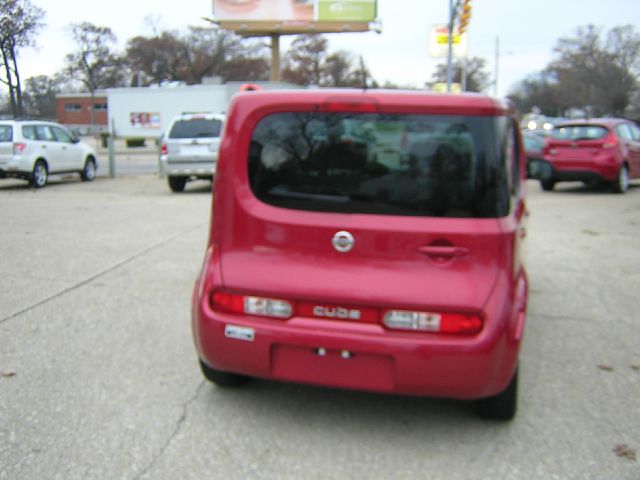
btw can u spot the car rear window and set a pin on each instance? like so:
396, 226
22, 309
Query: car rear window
579, 132
6, 133
418, 165
196, 128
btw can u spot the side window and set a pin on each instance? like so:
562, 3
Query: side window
43, 132
61, 135
624, 131
635, 132
6, 133
29, 131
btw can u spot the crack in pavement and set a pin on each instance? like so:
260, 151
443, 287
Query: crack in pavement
176, 431
90, 279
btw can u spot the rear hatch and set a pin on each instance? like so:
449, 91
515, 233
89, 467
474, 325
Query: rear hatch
6, 144
578, 146
401, 212
194, 139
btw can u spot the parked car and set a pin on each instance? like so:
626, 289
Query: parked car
189, 149
33, 149
533, 149
327, 267
595, 150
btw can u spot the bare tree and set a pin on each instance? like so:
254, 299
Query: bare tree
590, 71
303, 63
94, 64
40, 96
198, 53
308, 62
593, 75
477, 78
20, 21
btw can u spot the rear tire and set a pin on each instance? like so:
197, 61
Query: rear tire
621, 183
40, 174
176, 184
88, 173
547, 185
502, 406
222, 379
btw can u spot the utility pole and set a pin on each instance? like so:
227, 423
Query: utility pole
497, 68
450, 47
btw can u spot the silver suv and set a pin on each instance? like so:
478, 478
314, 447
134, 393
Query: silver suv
34, 149
189, 149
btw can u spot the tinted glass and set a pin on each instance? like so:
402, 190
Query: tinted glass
196, 128
6, 133
417, 165
579, 132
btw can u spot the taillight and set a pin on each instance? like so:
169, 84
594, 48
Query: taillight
417, 321
19, 147
455, 323
163, 149
265, 307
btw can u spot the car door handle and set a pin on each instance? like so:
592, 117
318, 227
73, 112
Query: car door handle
444, 251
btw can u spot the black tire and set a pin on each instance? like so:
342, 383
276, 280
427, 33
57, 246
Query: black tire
39, 175
621, 183
547, 185
502, 406
88, 173
176, 184
222, 379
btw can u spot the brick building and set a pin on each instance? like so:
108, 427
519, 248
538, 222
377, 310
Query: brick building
74, 111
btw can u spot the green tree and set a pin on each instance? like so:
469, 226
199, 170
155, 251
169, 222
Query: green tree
20, 21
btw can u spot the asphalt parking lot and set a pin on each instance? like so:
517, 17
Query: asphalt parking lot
99, 377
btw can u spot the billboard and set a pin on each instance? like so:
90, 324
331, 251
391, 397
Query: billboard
293, 16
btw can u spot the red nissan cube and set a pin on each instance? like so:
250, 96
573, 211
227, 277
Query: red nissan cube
367, 240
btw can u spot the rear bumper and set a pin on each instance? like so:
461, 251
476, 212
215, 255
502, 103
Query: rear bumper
188, 168
368, 357
543, 169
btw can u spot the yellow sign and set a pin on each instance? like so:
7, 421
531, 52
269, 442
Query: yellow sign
439, 42
441, 87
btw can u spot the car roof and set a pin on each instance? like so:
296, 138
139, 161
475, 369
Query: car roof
31, 121
399, 101
194, 115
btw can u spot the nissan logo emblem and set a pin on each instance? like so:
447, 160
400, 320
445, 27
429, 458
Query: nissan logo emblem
343, 241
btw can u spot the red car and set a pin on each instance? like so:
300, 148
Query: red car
596, 150
386, 260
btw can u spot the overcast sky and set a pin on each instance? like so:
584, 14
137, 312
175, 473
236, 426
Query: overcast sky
528, 31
